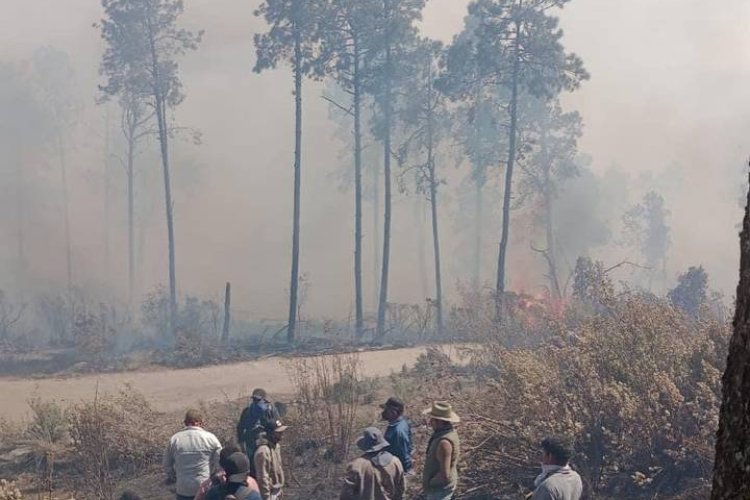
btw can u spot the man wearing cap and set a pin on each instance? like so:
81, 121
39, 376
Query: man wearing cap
398, 432
377, 474
220, 478
192, 455
249, 424
268, 469
440, 476
557, 480
237, 467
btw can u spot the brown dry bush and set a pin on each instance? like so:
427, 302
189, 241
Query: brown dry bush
113, 437
328, 393
637, 385
9, 491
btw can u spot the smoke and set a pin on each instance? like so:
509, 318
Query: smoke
665, 103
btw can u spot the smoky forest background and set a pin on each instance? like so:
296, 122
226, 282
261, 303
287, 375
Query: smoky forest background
552, 187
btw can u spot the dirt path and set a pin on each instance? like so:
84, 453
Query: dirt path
170, 390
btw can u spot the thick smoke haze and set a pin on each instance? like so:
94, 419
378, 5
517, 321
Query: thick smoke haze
665, 109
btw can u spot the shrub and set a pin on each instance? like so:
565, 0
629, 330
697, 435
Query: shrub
329, 390
113, 437
638, 386
49, 423
9, 491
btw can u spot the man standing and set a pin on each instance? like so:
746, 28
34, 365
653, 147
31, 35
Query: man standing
268, 469
191, 456
440, 477
398, 432
557, 480
249, 425
238, 484
219, 479
377, 474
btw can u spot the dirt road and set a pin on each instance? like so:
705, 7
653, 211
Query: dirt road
171, 390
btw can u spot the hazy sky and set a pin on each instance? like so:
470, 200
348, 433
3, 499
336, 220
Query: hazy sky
666, 102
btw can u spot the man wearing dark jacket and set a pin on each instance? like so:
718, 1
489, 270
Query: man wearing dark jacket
249, 425
398, 432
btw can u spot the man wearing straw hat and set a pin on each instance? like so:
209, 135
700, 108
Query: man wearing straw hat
440, 476
376, 475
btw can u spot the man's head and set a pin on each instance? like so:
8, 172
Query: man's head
259, 394
393, 409
274, 430
226, 452
194, 418
441, 415
556, 450
372, 441
237, 467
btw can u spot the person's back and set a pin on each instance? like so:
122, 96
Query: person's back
370, 479
191, 456
563, 484
232, 491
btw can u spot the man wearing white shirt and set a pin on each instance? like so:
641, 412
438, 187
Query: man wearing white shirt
192, 455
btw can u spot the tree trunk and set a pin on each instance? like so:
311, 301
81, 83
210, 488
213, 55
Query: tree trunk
107, 196
376, 233
359, 309
227, 313
131, 219
732, 463
66, 211
507, 195
435, 236
163, 141
478, 202
388, 112
433, 205
294, 284
161, 118
418, 213
550, 252
20, 219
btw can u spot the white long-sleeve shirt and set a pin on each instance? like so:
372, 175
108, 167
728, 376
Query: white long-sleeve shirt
192, 455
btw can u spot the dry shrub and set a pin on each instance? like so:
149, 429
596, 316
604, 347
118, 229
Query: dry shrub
113, 437
9, 491
328, 392
638, 386
49, 424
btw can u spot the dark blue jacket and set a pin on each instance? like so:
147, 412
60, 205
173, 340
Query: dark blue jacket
250, 421
398, 435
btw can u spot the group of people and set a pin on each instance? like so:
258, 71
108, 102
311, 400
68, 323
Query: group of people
201, 469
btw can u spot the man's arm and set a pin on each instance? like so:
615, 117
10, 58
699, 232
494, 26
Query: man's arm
444, 452
404, 447
350, 489
241, 427
214, 463
262, 459
168, 462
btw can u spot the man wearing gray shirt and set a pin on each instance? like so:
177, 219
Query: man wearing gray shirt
557, 480
191, 457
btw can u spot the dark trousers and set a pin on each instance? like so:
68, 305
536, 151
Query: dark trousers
182, 497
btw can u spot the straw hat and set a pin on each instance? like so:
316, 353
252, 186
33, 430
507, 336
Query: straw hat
442, 410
